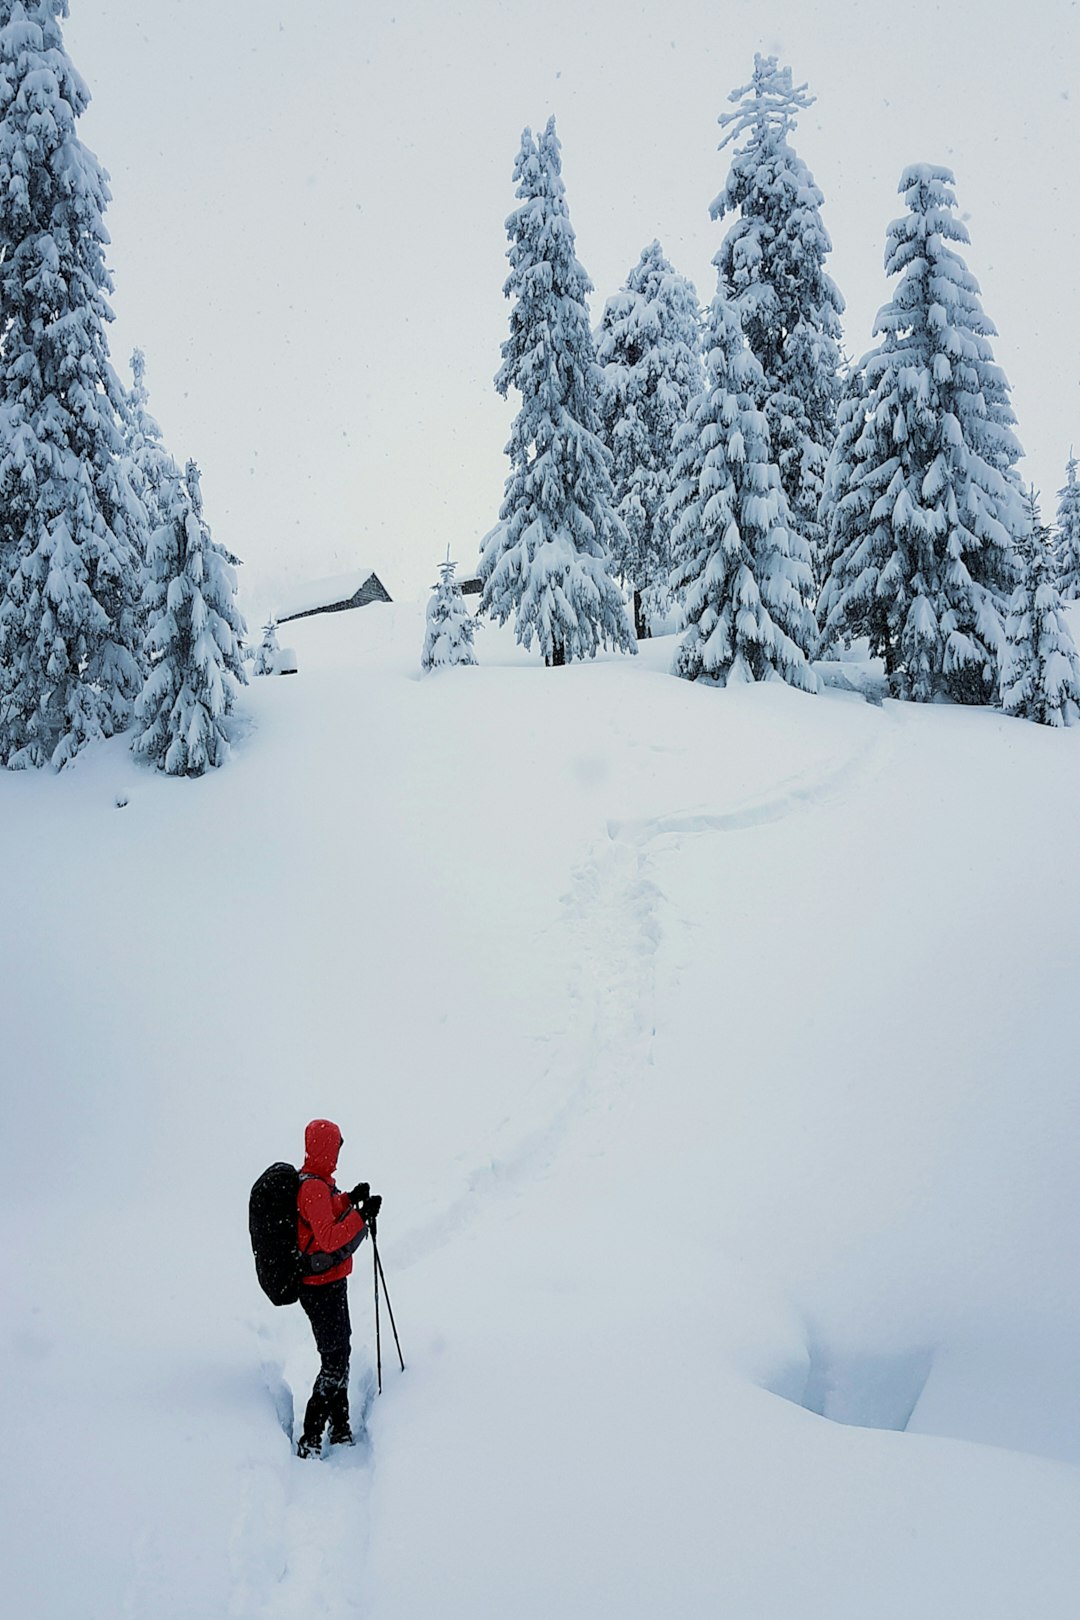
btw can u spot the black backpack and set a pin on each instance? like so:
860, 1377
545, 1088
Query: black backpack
279, 1264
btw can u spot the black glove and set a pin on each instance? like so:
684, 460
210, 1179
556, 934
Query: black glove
359, 1195
371, 1208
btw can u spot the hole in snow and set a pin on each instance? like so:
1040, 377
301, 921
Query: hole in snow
872, 1389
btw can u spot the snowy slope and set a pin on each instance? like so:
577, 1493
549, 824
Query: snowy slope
714, 1053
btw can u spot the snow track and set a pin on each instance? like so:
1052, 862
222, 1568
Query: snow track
607, 935
811, 789
298, 1541
612, 912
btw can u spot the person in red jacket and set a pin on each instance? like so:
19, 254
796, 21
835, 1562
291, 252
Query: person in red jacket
328, 1220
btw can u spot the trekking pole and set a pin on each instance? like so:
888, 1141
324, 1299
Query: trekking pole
375, 1267
386, 1296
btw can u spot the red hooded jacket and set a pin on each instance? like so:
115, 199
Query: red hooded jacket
326, 1219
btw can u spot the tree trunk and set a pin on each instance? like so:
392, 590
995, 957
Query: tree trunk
557, 657
641, 624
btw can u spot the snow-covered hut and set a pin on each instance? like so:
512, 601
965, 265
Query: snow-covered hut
352, 590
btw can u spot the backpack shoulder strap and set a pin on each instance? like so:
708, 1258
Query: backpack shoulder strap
305, 1175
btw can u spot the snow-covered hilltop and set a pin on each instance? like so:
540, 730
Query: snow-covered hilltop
725, 470
714, 1053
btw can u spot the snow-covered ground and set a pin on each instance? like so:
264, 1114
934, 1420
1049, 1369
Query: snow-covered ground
715, 1054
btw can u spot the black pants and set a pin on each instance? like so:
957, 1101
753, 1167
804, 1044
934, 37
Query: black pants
326, 1306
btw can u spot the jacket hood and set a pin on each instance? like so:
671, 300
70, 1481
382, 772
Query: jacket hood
322, 1144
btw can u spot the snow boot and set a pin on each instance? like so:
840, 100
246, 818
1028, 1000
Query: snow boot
340, 1430
315, 1418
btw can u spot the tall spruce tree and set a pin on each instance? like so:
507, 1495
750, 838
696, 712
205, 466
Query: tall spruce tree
1067, 547
152, 470
1040, 672
926, 509
649, 345
835, 518
772, 266
742, 566
70, 523
193, 641
548, 560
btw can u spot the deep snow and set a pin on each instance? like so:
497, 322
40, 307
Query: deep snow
714, 1053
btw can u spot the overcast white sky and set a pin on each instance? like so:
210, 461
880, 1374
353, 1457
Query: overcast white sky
309, 206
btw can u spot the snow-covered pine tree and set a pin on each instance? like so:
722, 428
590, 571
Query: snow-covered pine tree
449, 637
1040, 672
153, 472
265, 660
834, 517
927, 510
193, 641
1067, 547
649, 345
70, 633
743, 567
548, 561
772, 265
